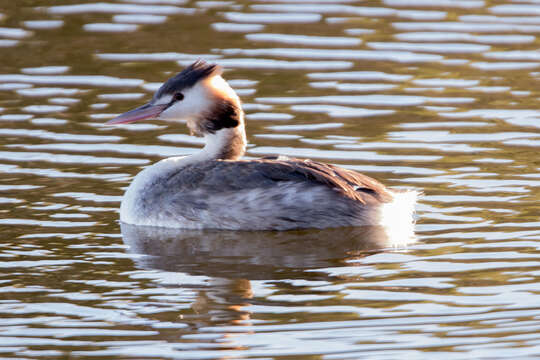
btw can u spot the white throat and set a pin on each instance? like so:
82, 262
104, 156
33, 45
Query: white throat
227, 144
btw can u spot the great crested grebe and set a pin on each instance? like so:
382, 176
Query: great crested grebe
213, 189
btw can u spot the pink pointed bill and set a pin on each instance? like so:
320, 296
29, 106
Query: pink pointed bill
147, 111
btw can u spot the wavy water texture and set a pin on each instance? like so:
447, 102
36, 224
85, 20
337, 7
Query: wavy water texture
437, 96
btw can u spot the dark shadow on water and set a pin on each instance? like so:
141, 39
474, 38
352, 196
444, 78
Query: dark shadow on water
253, 254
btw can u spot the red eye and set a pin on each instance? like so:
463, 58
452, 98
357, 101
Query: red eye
178, 97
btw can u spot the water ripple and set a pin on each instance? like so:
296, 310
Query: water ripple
433, 95
115, 8
342, 54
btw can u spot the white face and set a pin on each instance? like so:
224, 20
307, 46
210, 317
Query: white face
195, 103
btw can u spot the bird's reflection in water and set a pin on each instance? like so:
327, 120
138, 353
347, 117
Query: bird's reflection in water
232, 258
252, 254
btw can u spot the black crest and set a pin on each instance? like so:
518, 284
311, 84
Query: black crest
187, 78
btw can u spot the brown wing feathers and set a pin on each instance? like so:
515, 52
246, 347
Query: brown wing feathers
216, 176
350, 183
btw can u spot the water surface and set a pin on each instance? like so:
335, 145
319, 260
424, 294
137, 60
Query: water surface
438, 95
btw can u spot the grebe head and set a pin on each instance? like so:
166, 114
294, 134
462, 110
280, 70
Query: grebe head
197, 95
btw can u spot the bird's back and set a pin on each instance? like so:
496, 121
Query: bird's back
266, 194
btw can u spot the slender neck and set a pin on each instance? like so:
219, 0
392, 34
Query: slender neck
224, 144
223, 130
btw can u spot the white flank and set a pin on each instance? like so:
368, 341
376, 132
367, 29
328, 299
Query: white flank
397, 217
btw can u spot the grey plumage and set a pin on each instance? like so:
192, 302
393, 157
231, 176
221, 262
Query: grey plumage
263, 194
